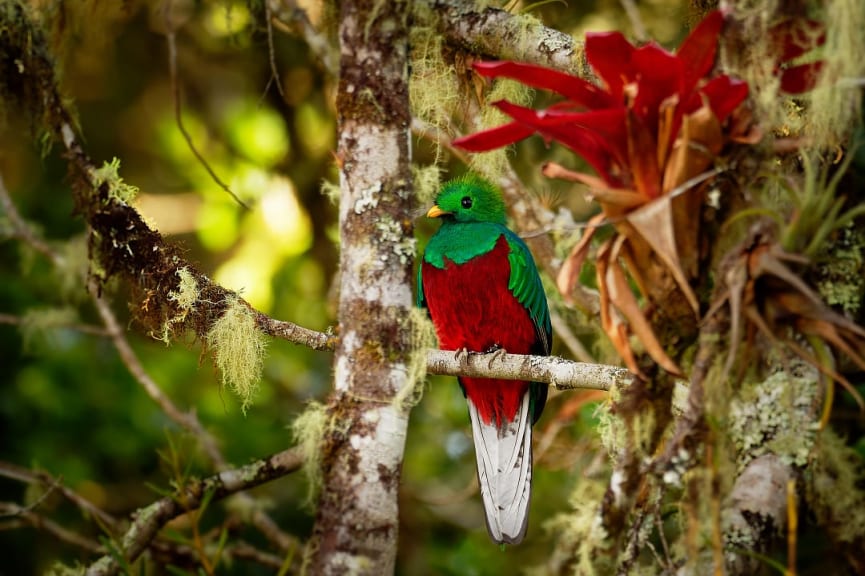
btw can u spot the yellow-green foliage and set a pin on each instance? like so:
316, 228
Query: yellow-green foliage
836, 101
423, 338
238, 349
427, 181
308, 430
109, 175
835, 488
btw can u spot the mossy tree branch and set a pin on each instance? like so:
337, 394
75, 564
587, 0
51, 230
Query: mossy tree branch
150, 520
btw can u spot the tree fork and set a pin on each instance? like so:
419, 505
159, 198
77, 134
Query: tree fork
357, 520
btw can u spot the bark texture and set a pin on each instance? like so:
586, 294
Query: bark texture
357, 521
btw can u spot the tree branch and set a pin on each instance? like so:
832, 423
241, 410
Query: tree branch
560, 373
499, 34
150, 520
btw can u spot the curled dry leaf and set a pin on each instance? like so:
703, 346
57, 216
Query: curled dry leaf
767, 295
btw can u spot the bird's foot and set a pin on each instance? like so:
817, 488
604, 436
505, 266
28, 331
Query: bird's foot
496, 352
461, 355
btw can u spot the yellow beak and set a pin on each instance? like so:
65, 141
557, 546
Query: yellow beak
435, 212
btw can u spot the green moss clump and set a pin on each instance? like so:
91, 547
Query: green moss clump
835, 489
308, 430
238, 348
836, 100
580, 534
423, 338
185, 298
427, 181
109, 175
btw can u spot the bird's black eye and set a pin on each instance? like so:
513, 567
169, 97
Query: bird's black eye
466, 202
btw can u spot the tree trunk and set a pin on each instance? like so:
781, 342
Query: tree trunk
357, 521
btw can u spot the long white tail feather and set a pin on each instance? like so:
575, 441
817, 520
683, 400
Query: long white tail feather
504, 458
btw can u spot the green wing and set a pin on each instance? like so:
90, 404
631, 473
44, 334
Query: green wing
420, 300
525, 284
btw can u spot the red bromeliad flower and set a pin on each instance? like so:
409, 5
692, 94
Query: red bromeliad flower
655, 122
651, 130
626, 128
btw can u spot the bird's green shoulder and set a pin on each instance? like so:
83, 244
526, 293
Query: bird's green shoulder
460, 242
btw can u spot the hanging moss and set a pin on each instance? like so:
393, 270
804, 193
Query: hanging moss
238, 349
835, 494
836, 100
427, 181
422, 339
308, 430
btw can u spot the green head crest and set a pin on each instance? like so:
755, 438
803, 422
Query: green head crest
469, 198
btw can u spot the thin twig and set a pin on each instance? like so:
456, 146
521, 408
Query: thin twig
637, 25
20, 474
566, 335
24, 231
170, 36
287, 13
271, 53
185, 419
77, 326
151, 519
24, 516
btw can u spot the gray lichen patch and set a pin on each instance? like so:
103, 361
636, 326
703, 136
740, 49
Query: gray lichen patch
391, 232
775, 416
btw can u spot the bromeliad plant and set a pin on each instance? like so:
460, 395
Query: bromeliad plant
651, 131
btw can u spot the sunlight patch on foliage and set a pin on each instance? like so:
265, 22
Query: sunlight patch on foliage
227, 18
279, 229
317, 128
258, 132
238, 349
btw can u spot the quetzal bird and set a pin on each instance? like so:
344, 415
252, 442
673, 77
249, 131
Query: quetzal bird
481, 286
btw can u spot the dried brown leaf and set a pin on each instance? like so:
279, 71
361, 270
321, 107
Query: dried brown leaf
610, 321
654, 222
623, 299
569, 275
